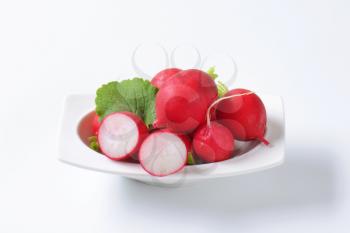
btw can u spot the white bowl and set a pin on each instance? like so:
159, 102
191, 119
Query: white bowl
252, 156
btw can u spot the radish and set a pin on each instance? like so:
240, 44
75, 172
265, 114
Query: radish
163, 76
179, 108
199, 81
121, 134
163, 153
95, 124
213, 142
182, 102
244, 114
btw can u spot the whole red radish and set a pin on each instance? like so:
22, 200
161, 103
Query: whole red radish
244, 114
120, 135
180, 108
213, 142
163, 76
95, 124
199, 81
163, 153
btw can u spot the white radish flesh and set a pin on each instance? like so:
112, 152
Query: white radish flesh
163, 153
121, 134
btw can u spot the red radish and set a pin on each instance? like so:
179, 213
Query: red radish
163, 76
121, 134
179, 108
185, 139
244, 114
163, 153
181, 103
199, 81
95, 124
213, 142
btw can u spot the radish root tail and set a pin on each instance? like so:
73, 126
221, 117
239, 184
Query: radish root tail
263, 140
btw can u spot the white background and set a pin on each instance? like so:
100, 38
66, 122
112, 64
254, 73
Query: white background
297, 49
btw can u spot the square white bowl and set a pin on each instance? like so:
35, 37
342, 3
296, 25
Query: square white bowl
73, 150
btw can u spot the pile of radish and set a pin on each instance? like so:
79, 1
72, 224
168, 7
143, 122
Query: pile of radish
190, 119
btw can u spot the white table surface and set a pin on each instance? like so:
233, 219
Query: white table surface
297, 49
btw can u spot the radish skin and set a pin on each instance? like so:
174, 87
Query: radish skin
121, 135
95, 124
199, 81
179, 108
244, 114
182, 102
163, 76
213, 143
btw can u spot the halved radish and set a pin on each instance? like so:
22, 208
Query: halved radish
163, 153
121, 134
184, 137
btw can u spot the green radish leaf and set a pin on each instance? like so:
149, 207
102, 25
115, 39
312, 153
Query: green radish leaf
222, 88
212, 73
190, 159
133, 95
93, 143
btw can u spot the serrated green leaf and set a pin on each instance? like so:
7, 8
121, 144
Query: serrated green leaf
133, 95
